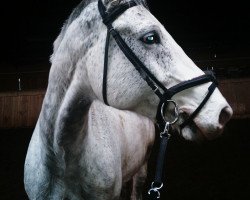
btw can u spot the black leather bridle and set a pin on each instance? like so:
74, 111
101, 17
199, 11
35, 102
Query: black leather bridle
158, 88
163, 93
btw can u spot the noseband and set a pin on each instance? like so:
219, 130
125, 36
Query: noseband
163, 93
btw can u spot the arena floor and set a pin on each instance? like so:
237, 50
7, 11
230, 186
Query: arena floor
217, 170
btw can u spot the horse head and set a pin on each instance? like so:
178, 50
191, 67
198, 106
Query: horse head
162, 56
80, 49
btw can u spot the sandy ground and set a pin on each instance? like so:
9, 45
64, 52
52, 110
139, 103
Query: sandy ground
217, 170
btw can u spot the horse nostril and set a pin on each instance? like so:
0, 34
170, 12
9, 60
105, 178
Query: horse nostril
225, 115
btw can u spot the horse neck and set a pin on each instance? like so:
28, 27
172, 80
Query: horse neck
64, 116
69, 93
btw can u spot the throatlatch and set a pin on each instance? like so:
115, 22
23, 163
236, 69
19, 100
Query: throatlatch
165, 94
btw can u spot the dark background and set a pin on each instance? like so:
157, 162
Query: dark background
213, 33
202, 28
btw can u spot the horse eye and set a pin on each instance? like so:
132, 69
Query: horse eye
151, 38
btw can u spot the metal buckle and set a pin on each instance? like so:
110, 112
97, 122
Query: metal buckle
156, 88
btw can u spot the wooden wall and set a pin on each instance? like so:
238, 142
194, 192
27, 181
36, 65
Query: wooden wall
21, 109
237, 93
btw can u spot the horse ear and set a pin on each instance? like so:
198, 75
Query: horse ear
111, 3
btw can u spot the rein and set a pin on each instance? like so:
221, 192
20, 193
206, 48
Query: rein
163, 93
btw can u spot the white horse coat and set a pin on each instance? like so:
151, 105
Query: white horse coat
112, 147
83, 149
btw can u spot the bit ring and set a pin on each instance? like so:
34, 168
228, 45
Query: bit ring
176, 111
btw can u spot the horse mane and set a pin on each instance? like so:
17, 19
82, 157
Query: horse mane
76, 13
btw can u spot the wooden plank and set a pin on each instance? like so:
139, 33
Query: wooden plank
7, 112
20, 109
1, 109
237, 93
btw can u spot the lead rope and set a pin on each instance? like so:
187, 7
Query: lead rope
157, 184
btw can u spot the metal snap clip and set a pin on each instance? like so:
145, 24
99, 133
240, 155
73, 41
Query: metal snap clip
155, 190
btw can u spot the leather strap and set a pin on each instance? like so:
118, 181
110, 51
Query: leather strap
105, 69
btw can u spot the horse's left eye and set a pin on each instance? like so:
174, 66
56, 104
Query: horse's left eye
151, 38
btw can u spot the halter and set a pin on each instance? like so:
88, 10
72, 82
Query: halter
163, 93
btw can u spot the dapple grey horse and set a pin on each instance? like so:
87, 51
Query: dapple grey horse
84, 149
